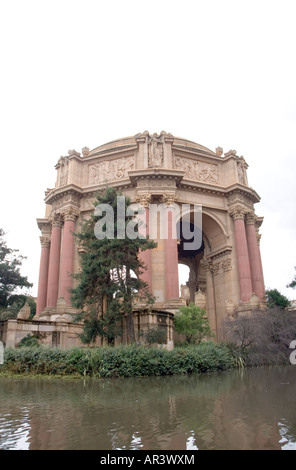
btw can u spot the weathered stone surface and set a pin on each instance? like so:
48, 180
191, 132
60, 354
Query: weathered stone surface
226, 276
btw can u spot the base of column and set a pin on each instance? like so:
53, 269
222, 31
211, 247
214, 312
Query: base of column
62, 312
248, 308
173, 305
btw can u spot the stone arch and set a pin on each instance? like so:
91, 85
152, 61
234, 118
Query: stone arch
206, 275
214, 230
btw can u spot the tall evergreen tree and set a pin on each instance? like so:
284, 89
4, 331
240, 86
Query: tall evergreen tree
10, 276
110, 276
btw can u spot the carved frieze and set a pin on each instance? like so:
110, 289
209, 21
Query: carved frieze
110, 170
198, 171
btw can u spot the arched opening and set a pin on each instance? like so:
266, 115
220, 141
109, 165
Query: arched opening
183, 271
190, 252
209, 238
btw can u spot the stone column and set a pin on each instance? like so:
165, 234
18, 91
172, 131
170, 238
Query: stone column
145, 256
261, 267
242, 253
228, 286
255, 258
67, 255
54, 262
43, 275
210, 295
171, 250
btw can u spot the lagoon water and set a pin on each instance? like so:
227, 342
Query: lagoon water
242, 409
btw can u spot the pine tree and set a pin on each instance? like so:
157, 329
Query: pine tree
110, 276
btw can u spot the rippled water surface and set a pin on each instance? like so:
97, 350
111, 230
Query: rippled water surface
249, 409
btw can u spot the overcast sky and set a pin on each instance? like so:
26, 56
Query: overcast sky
82, 73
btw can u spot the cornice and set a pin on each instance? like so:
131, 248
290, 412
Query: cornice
214, 189
226, 251
56, 193
245, 190
44, 224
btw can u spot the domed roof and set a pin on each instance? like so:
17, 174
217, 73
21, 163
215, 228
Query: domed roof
189, 144
131, 141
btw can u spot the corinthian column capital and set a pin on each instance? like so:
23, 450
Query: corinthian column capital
144, 199
44, 241
207, 265
56, 219
170, 198
250, 218
70, 213
238, 211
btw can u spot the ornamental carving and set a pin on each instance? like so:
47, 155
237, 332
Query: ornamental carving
155, 151
45, 241
207, 265
55, 219
169, 198
154, 147
216, 268
70, 213
63, 168
144, 199
156, 183
226, 264
110, 170
250, 218
199, 171
64, 200
241, 172
238, 211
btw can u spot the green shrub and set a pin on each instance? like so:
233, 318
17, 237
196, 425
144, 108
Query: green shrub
120, 361
29, 341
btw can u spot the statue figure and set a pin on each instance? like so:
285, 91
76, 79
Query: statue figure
155, 151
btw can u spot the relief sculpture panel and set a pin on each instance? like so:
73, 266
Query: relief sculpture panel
198, 171
110, 170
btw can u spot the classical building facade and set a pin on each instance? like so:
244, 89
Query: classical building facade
226, 275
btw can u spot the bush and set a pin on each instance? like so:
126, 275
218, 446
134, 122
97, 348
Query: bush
192, 322
262, 339
120, 361
29, 341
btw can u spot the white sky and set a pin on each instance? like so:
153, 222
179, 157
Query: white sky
82, 73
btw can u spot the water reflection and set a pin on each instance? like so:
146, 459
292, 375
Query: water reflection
250, 409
